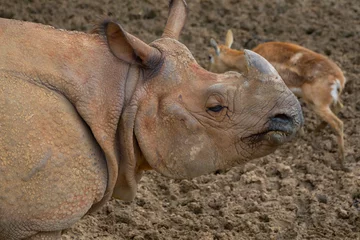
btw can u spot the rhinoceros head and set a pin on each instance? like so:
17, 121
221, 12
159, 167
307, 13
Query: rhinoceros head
184, 121
191, 122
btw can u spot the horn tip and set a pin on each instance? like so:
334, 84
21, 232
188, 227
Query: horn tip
260, 63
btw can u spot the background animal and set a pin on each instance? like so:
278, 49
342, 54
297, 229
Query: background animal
292, 193
313, 77
83, 115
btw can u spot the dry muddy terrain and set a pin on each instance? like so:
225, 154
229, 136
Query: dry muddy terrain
294, 193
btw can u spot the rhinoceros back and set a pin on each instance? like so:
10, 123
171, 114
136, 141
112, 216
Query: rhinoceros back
51, 168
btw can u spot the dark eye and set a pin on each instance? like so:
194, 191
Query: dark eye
209, 57
217, 108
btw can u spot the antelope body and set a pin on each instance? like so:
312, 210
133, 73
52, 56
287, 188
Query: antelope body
309, 75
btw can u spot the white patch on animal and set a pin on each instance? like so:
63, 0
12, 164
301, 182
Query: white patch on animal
296, 91
294, 59
335, 89
195, 150
246, 84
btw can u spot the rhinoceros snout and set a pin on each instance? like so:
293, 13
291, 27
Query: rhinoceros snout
284, 122
284, 126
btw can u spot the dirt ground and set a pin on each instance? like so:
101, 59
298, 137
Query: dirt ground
293, 193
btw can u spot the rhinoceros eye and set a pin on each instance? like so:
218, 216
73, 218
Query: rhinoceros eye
216, 108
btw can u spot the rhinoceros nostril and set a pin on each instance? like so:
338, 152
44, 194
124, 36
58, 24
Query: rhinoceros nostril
282, 119
282, 123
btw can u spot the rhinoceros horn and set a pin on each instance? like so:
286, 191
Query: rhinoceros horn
255, 62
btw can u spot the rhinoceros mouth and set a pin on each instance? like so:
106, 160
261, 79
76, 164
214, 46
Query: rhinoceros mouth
274, 136
280, 129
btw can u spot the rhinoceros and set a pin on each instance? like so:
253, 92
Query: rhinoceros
83, 115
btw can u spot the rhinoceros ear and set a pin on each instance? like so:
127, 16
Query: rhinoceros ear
129, 48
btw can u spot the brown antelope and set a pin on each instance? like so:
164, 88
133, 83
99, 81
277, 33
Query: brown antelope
309, 75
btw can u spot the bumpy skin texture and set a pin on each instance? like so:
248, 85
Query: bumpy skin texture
60, 150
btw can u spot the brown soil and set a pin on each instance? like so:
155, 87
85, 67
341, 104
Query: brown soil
291, 194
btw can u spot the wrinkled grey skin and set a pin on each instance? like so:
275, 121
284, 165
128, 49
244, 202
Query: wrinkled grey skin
83, 115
